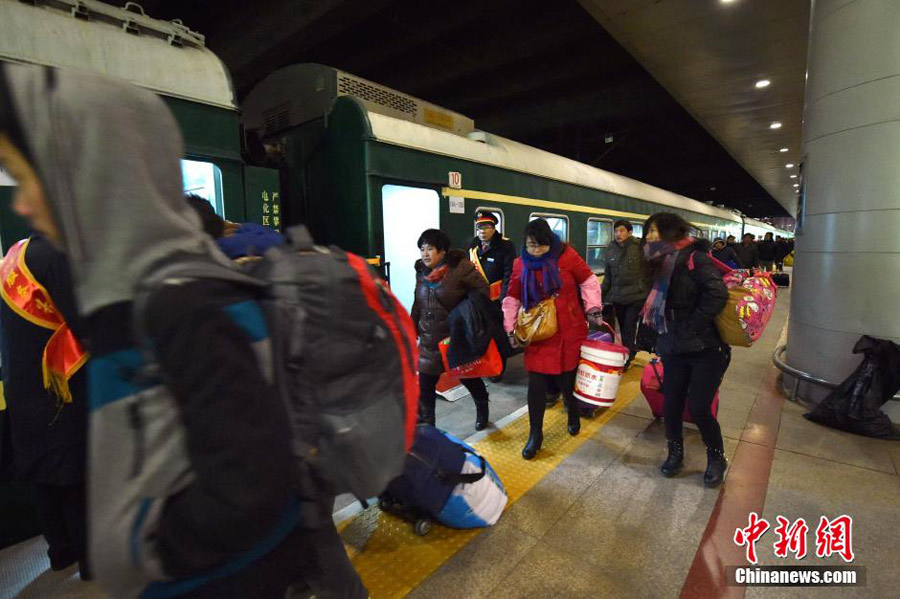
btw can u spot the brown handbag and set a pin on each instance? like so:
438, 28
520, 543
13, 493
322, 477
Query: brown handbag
536, 324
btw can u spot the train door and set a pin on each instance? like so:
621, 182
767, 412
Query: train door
406, 212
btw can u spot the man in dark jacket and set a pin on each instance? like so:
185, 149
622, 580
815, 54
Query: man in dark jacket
781, 252
725, 253
747, 252
768, 253
48, 429
493, 256
626, 283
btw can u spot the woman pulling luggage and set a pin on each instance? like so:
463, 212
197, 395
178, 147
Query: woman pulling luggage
682, 307
550, 276
444, 278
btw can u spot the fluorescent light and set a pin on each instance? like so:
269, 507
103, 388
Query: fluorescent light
763, 83
783, 150
775, 125
789, 165
793, 176
796, 185
727, 1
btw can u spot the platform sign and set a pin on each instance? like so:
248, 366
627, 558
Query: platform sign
263, 196
454, 180
457, 205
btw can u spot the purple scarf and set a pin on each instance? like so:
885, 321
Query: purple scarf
654, 311
532, 291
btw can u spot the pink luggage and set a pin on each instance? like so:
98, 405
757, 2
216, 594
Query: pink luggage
651, 387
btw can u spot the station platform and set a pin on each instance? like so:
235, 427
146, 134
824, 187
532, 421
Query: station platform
592, 517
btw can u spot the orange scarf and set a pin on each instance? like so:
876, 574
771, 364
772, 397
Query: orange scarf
63, 354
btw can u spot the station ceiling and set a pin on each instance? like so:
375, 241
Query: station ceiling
542, 73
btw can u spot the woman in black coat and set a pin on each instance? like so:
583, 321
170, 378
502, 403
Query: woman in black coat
688, 293
444, 278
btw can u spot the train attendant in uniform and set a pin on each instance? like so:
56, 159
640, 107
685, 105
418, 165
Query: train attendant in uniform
493, 256
682, 307
444, 278
549, 269
46, 392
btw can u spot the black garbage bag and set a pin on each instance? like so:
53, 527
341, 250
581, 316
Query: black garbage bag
855, 406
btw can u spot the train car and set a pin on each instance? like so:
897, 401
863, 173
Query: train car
165, 57
369, 168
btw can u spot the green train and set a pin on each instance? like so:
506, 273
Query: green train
165, 57
369, 168
366, 167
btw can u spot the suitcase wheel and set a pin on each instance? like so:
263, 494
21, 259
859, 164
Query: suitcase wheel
422, 527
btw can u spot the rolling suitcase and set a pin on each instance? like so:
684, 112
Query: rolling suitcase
782, 279
444, 480
652, 388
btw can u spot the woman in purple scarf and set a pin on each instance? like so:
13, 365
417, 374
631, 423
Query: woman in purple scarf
682, 307
549, 268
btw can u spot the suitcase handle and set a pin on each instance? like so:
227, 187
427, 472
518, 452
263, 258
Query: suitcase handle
656, 374
457, 478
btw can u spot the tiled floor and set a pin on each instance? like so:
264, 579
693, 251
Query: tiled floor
604, 523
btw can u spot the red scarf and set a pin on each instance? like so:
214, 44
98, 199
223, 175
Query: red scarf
438, 273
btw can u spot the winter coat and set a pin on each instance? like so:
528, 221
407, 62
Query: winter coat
695, 298
474, 323
727, 256
748, 254
782, 249
768, 251
48, 441
626, 278
434, 301
561, 352
497, 261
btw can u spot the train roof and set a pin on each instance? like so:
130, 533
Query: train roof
505, 153
163, 56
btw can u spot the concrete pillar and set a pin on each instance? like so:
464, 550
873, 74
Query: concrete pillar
847, 262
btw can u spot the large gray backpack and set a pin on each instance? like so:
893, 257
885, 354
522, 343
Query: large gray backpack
344, 359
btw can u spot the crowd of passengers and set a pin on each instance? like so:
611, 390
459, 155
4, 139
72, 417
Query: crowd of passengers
97, 167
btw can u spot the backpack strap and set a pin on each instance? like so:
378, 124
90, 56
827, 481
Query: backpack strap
720, 266
466, 479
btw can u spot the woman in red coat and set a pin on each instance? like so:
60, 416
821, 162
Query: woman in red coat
549, 268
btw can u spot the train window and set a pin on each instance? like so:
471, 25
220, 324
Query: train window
559, 223
599, 237
496, 212
637, 230
205, 180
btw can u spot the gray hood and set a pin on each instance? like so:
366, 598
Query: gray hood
108, 154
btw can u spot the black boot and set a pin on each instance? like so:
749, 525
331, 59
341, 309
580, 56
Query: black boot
673, 463
481, 415
535, 439
574, 413
715, 467
426, 416
552, 398
574, 426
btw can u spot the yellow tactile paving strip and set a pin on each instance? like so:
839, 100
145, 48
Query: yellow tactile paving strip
392, 560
